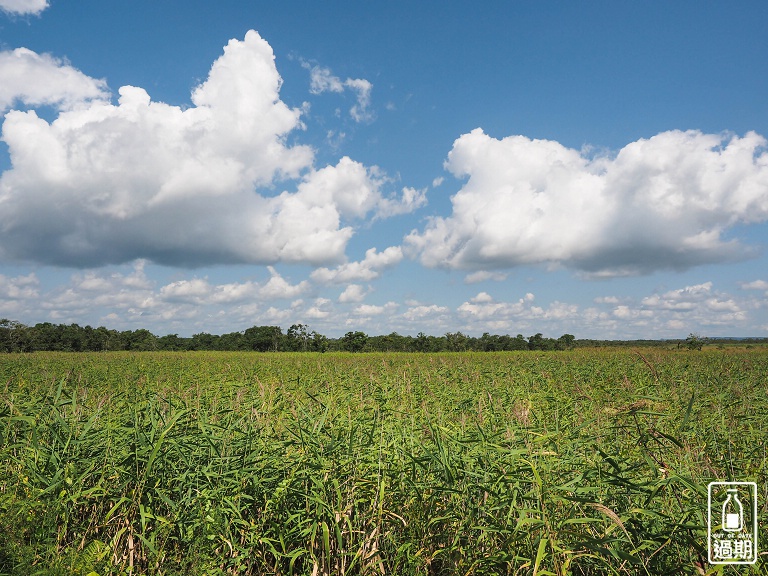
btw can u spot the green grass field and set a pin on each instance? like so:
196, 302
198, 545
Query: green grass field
584, 462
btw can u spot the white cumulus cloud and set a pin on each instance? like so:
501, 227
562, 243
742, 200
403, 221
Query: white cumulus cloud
40, 79
701, 302
360, 112
483, 275
661, 203
320, 309
23, 6
755, 285
353, 293
369, 310
321, 79
366, 269
278, 287
425, 312
200, 291
606, 300
681, 299
18, 288
106, 183
410, 200
196, 290
484, 307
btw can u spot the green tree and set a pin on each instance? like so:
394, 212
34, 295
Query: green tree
392, 342
421, 343
354, 341
489, 342
538, 342
263, 338
519, 343
14, 336
172, 342
141, 340
319, 342
233, 341
694, 342
44, 336
565, 342
456, 342
204, 341
298, 338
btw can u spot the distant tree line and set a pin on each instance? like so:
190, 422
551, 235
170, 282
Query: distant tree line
17, 337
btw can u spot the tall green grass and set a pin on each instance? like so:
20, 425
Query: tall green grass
582, 462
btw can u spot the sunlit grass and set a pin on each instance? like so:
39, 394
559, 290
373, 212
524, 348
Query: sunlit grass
580, 462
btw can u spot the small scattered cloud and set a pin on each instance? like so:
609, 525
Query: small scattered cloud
483, 275
606, 300
682, 299
321, 79
699, 303
200, 291
129, 299
33, 7
19, 287
369, 268
277, 287
423, 312
483, 308
361, 112
371, 310
353, 293
320, 309
665, 315
481, 298
698, 307
194, 291
335, 139
755, 285
409, 200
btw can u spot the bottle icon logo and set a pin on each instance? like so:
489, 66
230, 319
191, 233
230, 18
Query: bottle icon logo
732, 522
733, 512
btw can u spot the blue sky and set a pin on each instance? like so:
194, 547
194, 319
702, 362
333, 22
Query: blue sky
598, 168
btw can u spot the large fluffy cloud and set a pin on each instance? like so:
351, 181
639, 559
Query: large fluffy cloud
661, 203
23, 6
106, 183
